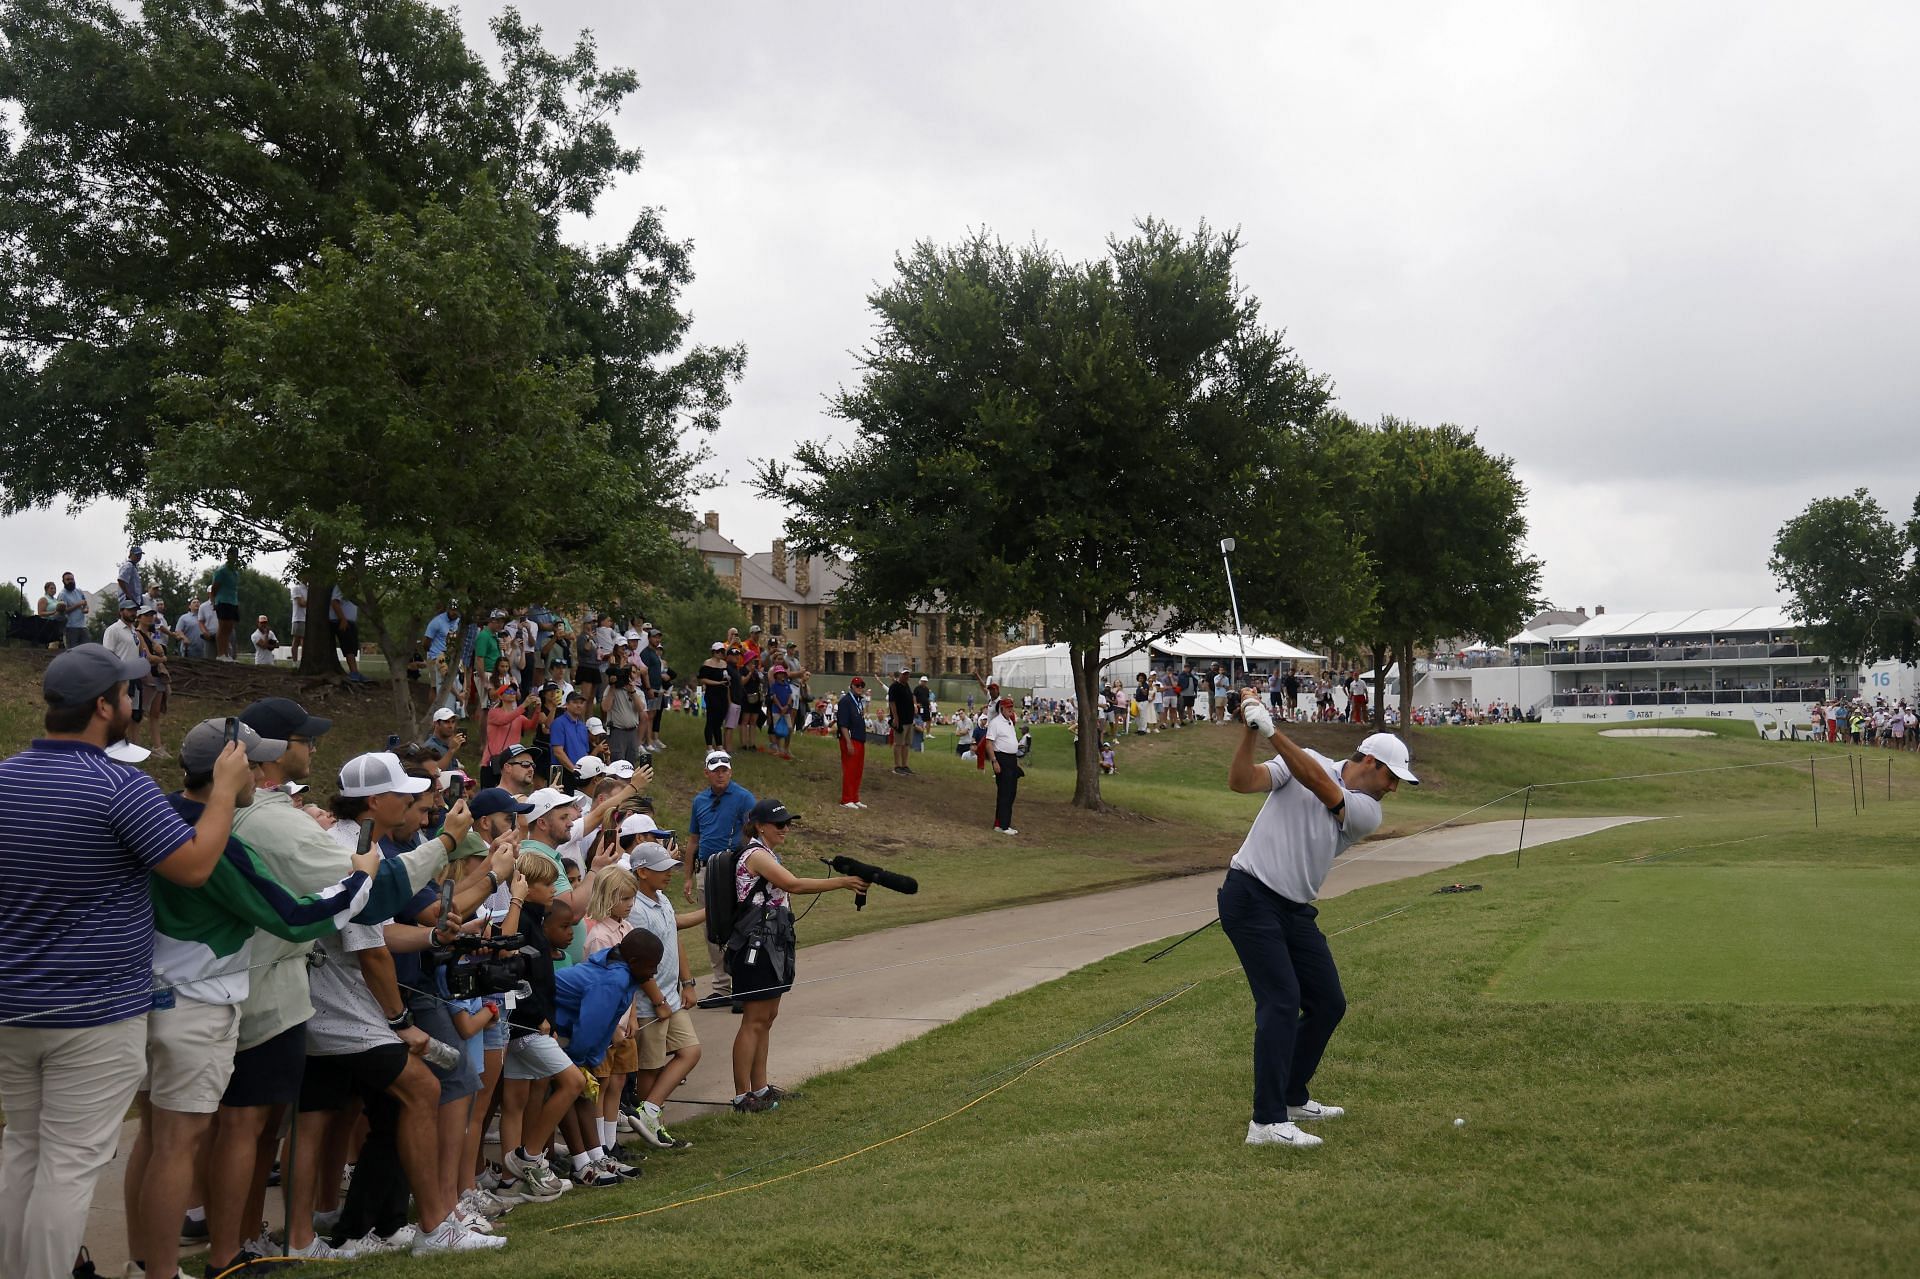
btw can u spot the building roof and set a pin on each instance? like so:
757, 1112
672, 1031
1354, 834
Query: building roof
757, 580
1709, 621
709, 540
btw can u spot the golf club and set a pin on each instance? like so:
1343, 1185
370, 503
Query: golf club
1226, 549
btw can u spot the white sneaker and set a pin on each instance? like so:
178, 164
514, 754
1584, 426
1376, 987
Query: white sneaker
853, 805
451, 1236
401, 1238
262, 1244
487, 1205
1008, 830
859, 805
1279, 1135
1314, 1110
318, 1250
367, 1245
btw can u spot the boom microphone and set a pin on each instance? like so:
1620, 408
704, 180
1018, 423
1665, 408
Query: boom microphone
873, 875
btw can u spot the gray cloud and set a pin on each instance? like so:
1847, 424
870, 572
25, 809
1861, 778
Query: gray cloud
1660, 255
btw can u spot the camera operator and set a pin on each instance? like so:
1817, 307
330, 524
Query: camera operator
362, 1042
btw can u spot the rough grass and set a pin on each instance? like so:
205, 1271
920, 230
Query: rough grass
1602, 1137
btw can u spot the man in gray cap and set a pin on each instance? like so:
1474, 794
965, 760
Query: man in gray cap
76, 945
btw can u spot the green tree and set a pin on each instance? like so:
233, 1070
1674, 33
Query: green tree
1852, 578
1036, 437
163, 177
428, 362
1445, 540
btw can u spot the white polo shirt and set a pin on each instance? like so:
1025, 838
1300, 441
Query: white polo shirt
1294, 839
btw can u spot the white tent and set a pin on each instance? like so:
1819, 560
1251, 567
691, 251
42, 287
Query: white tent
1215, 646
1047, 669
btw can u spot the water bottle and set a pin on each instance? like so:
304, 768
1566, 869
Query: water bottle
441, 1056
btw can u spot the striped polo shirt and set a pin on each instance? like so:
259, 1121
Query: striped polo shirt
80, 833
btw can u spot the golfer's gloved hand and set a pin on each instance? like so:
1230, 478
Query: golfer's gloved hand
1258, 718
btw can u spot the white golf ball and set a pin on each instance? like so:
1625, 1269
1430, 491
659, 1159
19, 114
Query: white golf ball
1459, 1123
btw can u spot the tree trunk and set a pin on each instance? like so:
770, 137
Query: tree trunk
397, 652
1086, 755
317, 654
1406, 684
1378, 711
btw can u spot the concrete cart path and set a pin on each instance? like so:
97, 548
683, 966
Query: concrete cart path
864, 995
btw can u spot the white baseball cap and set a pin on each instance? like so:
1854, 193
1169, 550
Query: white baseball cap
545, 800
719, 759
1392, 752
596, 726
621, 768
127, 753
378, 773
445, 712
589, 768
638, 824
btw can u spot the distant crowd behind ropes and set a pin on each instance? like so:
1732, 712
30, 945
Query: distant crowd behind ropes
1864, 721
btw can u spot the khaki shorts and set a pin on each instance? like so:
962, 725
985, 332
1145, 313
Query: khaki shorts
621, 1059
659, 1039
190, 1049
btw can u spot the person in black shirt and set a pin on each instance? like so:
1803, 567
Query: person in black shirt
900, 720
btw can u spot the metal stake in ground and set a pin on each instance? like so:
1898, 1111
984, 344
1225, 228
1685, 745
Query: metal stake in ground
1525, 806
1814, 781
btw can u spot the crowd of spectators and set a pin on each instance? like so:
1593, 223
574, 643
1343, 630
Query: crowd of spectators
1863, 721
260, 969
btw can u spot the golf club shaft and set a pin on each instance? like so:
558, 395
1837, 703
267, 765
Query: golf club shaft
1234, 600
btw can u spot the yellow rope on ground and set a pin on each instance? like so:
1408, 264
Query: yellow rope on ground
887, 1141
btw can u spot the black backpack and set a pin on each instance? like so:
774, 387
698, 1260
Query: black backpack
724, 908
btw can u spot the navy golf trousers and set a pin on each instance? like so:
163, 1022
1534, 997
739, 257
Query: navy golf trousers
1297, 1000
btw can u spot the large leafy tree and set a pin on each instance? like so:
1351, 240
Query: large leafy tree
1445, 534
427, 369
1038, 437
1852, 577
166, 174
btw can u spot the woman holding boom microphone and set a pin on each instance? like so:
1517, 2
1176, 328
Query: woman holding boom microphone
760, 955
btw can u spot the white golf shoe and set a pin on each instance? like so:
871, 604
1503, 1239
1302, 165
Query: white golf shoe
1314, 1110
1279, 1135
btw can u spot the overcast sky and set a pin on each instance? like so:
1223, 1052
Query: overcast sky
1662, 255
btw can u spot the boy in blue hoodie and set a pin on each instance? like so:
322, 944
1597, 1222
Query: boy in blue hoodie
590, 1006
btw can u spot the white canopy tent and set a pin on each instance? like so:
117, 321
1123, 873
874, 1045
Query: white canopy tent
1048, 670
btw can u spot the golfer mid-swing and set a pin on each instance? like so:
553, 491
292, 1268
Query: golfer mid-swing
1316, 809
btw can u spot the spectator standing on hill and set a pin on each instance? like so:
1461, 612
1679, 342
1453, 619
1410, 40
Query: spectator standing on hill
299, 626
128, 576
443, 626
900, 720
716, 826
1315, 809
209, 622
850, 726
187, 627
82, 833
226, 606
72, 606
265, 642
1003, 745
346, 632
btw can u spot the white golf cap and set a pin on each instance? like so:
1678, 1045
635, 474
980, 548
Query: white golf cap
378, 773
621, 768
631, 634
648, 855
1392, 752
719, 759
589, 768
127, 753
596, 726
545, 800
445, 712
638, 824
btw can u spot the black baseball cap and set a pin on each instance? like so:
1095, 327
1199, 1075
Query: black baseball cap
771, 811
86, 672
281, 718
514, 751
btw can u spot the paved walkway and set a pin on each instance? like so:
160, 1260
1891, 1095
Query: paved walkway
864, 995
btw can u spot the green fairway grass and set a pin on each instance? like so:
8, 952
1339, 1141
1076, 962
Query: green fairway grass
1766, 934
1694, 1137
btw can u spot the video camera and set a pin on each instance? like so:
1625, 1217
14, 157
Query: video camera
477, 966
